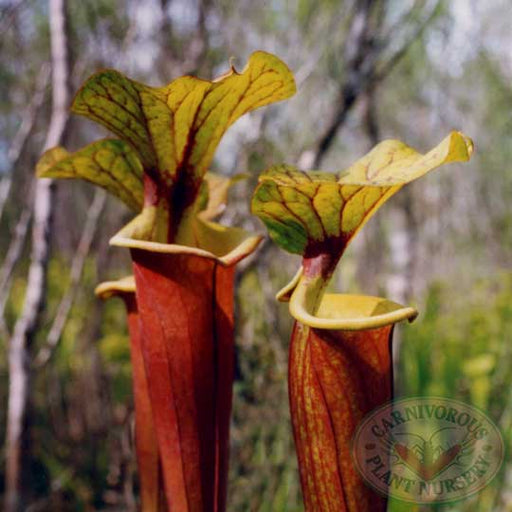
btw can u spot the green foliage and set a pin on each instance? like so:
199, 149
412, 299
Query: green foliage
82, 400
461, 347
263, 468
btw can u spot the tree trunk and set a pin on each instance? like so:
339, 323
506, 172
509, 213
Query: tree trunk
19, 349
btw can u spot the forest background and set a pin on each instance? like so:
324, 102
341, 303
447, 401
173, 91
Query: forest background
366, 70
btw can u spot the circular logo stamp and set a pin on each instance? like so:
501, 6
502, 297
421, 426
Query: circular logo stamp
427, 450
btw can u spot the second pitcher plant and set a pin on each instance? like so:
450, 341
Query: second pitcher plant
340, 361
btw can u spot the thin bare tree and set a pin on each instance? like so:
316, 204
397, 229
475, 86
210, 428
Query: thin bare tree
19, 141
26, 325
12, 256
370, 53
177, 60
75, 274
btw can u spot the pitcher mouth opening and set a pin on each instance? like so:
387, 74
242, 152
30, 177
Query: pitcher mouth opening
341, 311
226, 245
107, 289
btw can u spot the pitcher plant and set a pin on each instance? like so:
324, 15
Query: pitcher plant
180, 302
340, 365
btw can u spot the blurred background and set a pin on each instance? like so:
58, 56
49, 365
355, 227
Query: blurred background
366, 70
